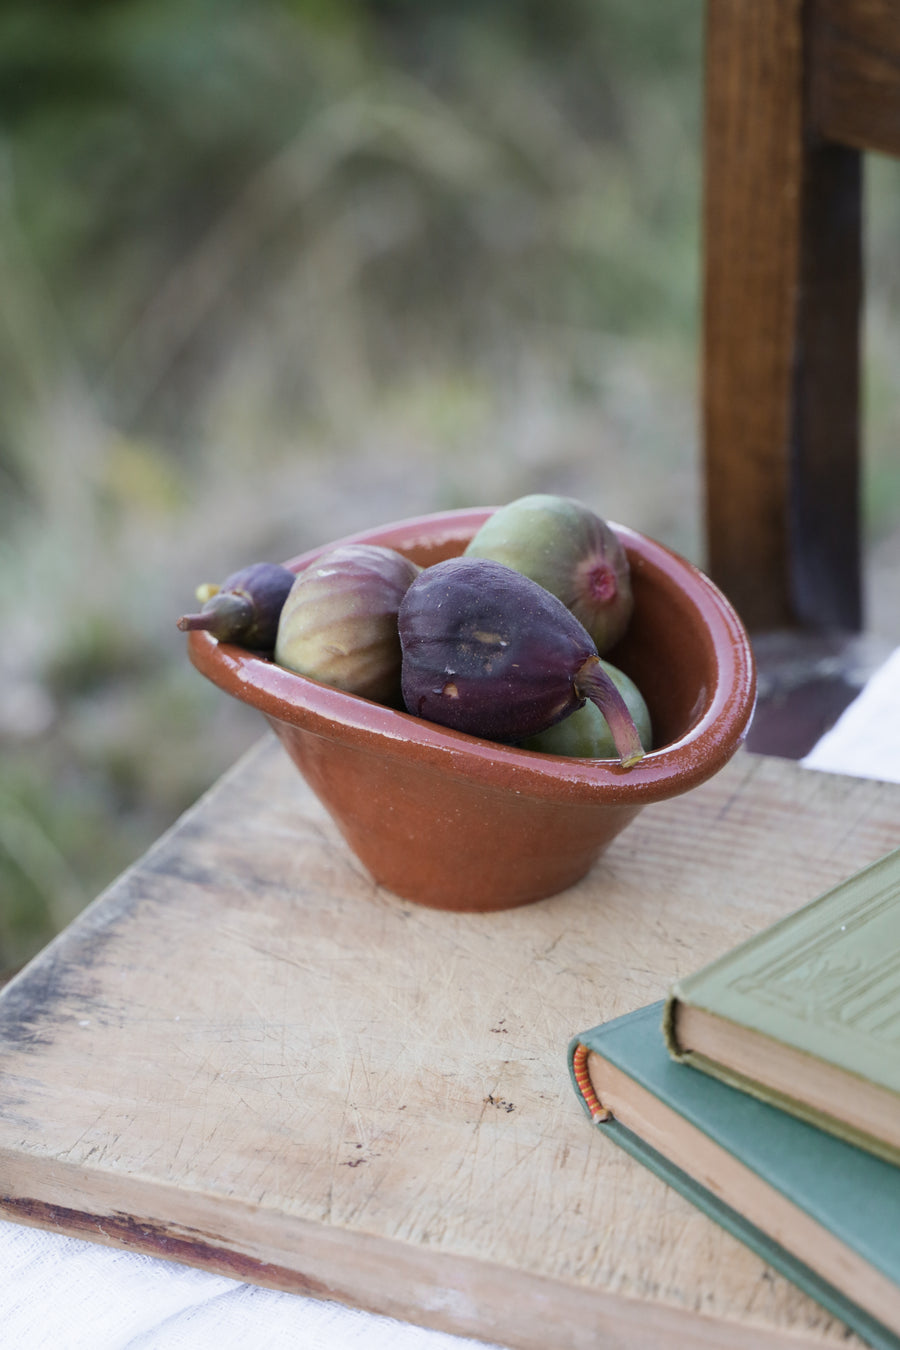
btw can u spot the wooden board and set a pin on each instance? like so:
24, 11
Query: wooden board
246, 1057
855, 67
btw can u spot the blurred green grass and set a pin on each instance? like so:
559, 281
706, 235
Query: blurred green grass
279, 271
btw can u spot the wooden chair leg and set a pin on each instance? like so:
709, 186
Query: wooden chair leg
781, 322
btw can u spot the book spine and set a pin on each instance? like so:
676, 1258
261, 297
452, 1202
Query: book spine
669, 1022
581, 1074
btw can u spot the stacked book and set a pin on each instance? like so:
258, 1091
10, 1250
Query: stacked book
789, 1134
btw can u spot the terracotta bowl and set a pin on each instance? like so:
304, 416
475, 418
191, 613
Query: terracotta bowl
455, 822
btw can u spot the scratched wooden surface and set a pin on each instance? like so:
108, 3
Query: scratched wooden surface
246, 1057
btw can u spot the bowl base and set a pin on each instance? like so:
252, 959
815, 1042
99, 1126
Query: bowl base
427, 842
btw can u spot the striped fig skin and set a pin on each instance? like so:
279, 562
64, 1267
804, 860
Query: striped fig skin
488, 651
339, 622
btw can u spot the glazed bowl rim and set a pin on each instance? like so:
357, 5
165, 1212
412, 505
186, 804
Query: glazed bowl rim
704, 748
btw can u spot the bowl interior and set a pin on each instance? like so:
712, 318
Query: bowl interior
685, 648
669, 652
670, 647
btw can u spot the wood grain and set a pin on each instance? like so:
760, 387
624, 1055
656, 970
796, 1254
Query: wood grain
855, 86
247, 1057
781, 224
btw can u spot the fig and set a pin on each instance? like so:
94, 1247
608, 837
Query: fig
586, 734
569, 550
339, 623
488, 651
246, 607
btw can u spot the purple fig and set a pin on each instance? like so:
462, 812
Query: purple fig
569, 550
339, 623
488, 651
246, 607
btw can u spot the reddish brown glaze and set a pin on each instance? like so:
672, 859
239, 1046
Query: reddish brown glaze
455, 822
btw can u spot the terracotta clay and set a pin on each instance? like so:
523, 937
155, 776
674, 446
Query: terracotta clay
454, 822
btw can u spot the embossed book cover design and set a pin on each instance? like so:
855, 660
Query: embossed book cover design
807, 1013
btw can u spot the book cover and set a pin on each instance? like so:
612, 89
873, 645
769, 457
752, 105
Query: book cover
821, 1211
806, 1014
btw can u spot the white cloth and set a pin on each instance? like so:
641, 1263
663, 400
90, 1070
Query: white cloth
865, 740
59, 1293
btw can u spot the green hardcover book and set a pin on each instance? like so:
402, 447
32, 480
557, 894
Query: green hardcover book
807, 1013
779, 1184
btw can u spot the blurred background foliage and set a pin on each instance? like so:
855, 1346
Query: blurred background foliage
279, 270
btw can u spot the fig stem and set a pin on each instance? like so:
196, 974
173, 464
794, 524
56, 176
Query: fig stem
226, 615
591, 681
191, 622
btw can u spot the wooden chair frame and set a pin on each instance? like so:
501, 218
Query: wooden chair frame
795, 90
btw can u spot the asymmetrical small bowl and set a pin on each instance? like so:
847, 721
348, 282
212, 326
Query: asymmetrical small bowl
456, 822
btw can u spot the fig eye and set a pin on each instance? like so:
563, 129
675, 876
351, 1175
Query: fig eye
569, 550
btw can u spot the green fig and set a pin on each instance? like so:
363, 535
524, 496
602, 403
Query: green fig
245, 609
586, 734
488, 651
569, 550
339, 623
